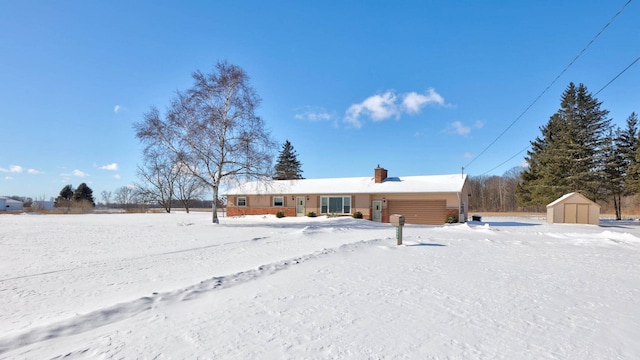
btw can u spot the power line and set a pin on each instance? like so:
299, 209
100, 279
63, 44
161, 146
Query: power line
620, 73
506, 161
607, 84
550, 85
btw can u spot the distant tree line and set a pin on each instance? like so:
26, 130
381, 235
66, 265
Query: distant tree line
495, 193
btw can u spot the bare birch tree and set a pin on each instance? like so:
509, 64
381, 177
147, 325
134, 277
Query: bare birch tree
212, 128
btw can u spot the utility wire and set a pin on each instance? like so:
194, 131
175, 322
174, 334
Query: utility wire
607, 84
617, 76
550, 85
506, 161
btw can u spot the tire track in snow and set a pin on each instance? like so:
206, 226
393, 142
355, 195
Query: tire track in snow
123, 311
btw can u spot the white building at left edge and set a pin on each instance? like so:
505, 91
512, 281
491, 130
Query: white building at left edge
7, 204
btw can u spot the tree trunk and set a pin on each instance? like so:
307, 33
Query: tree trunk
214, 205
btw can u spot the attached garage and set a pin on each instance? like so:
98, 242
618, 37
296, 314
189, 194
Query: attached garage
427, 212
573, 208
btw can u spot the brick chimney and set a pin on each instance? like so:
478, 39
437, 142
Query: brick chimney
380, 174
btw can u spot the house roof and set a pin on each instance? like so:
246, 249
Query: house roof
354, 185
569, 195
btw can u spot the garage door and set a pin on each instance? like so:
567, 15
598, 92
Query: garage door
432, 212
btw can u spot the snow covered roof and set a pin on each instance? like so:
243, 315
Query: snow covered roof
566, 196
354, 185
10, 200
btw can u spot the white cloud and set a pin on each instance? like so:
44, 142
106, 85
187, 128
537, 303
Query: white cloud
310, 113
117, 108
379, 107
459, 128
79, 173
117, 176
388, 105
111, 167
468, 155
17, 169
413, 102
8, 178
13, 169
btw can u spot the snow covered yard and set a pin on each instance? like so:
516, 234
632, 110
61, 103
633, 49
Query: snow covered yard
175, 286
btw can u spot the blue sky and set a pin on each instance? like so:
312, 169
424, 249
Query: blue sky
418, 87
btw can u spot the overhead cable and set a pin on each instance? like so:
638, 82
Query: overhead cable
550, 85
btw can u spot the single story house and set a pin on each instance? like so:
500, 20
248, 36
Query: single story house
433, 199
8, 204
573, 208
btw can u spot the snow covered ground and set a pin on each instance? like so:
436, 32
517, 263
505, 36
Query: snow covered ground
175, 286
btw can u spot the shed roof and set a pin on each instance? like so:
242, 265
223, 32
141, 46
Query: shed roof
354, 185
569, 195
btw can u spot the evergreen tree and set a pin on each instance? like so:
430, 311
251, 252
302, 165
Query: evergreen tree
65, 196
614, 171
84, 194
569, 155
66, 193
629, 144
288, 167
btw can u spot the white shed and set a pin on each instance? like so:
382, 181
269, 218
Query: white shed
573, 208
8, 204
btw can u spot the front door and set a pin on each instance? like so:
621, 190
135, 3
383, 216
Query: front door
376, 215
300, 207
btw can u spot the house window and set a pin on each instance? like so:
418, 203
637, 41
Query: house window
278, 201
242, 201
335, 204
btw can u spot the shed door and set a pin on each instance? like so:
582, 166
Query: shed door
583, 214
428, 212
570, 213
576, 213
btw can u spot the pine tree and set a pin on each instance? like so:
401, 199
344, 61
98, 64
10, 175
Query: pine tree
66, 193
614, 168
65, 196
629, 144
569, 155
288, 167
84, 194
